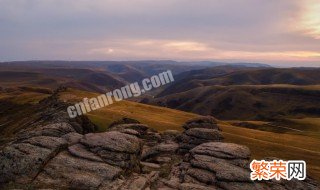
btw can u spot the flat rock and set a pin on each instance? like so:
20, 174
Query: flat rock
223, 170
51, 143
244, 163
222, 150
170, 135
163, 148
150, 165
112, 141
130, 132
72, 138
67, 171
244, 186
80, 151
140, 128
22, 162
53, 130
207, 134
191, 186
201, 175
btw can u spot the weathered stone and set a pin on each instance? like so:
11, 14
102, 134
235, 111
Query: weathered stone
67, 171
112, 141
244, 163
222, 150
224, 170
163, 148
190, 186
201, 175
72, 138
51, 143
114, 148
21, 162
53, 130
140, 128
207, 134
137, 182
162, 159
172, 183
242, 186
196, 136
130, 132
80, 151
148, 167
170, 135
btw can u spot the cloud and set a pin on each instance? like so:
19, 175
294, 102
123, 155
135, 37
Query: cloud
268, 31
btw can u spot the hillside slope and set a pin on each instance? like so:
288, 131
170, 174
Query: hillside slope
226, 75
246, 102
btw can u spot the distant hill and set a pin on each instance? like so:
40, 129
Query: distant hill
252, 102
244, 93
97, 76
231, 75
83, 79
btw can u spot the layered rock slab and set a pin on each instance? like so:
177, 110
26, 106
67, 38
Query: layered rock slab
67, 171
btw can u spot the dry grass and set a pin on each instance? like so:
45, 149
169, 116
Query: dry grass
285, 146
156, 117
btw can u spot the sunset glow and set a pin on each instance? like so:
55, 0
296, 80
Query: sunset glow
311, 19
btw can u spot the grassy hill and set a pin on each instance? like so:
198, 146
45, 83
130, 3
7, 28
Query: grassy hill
231, 75
156, 117
262, 143
246, 102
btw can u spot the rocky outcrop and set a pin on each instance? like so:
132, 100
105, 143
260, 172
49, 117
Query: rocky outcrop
59, 153
199, 131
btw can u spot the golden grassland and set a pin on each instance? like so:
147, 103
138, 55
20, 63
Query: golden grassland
156, 117
22, 97
285, 146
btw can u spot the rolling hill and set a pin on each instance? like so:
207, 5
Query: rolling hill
231, 75
246, 102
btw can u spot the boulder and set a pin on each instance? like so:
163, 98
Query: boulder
170, 135
224, 171
191, 186
196, 136
51, 130
21, 162
67, 171
222, 150
72, 138
114, 148
140, 128
161, 149
112, 141
80, 151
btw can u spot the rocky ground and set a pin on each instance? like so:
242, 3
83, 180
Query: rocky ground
58, 153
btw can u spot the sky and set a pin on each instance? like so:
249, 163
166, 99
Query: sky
277, 32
